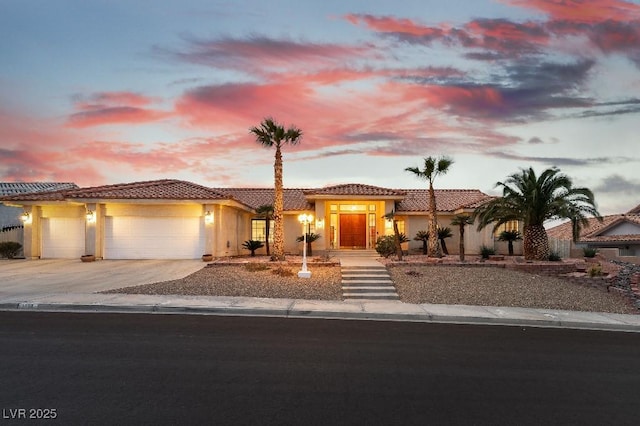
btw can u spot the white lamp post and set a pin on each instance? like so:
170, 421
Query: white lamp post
304, 219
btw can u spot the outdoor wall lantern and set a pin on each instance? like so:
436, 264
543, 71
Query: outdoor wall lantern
208, 217
305, 219
26, 217
320, 223
91, 216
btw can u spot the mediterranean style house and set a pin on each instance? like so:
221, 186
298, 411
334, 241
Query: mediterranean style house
173, 219
618, 235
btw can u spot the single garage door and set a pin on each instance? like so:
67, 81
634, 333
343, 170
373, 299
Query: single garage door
62, 237
129, 237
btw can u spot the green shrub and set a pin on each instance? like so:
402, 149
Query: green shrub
589, 252
252, 245
9, 249
554, 257
386, 245
485, 251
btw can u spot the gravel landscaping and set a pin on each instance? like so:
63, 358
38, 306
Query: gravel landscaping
251, 280
415, 282
489, 286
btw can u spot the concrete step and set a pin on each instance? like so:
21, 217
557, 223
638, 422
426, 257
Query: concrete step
369, 289
364, 272
368, 282
365, 277
371, 296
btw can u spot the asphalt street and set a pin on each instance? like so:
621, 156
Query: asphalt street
174, 369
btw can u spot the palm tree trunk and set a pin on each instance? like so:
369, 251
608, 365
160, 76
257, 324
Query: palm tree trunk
536, 243
444, 246
462, 243
396, 232
433, 249
266, 234
278, 207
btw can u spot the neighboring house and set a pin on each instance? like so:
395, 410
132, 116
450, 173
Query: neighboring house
174, 219
617, 234
11, 227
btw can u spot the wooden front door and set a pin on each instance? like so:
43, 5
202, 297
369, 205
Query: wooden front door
353, 230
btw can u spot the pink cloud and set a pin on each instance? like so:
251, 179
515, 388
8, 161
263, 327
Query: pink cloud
387, 24
588, 11
105, 108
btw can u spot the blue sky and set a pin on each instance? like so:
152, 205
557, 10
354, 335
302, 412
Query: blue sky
99, 92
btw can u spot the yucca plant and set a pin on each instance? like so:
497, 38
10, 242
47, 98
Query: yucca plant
252, 245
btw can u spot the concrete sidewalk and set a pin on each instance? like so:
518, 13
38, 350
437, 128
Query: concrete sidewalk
290, 308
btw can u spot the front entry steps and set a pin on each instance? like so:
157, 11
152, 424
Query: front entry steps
367, 283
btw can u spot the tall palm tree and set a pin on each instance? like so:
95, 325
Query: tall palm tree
533, 200
433, 167
266, 211
271, 134
461, 220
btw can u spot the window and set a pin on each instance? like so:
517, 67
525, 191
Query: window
512, 225
259, 228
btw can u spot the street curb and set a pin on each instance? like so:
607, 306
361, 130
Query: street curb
315, 314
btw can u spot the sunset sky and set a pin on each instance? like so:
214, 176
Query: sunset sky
99, 92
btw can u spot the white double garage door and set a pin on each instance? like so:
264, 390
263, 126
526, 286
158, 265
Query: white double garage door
127, 237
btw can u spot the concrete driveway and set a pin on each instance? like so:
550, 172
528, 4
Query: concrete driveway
73, 276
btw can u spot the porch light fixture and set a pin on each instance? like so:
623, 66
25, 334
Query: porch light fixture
320, 223
305, 219
26, 217
91, 216
208, 217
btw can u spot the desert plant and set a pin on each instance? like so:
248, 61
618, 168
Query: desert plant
589, 252
9, 249
510, 237
533, 200
554, 257
252, 245
266, 211
398, 237
256, 266
433, 167
282, 271
595, 270
442, 234
485, 251
461, 220
424, 237
311, 237
271, 134
386, 245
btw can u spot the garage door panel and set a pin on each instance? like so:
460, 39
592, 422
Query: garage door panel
63, 237
154, 238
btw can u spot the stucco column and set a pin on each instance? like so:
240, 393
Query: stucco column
31, 246
321, 225
210, 218
90, 225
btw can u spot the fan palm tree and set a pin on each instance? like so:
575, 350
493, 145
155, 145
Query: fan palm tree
533, 200
266, 211
461, 220
433, 167
271, 134
510, 237
310, 237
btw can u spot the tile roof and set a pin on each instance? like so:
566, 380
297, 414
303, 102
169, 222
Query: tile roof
590, 233
635, 210
255, 197
166, 189
11, 188
447, 200
356, 189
